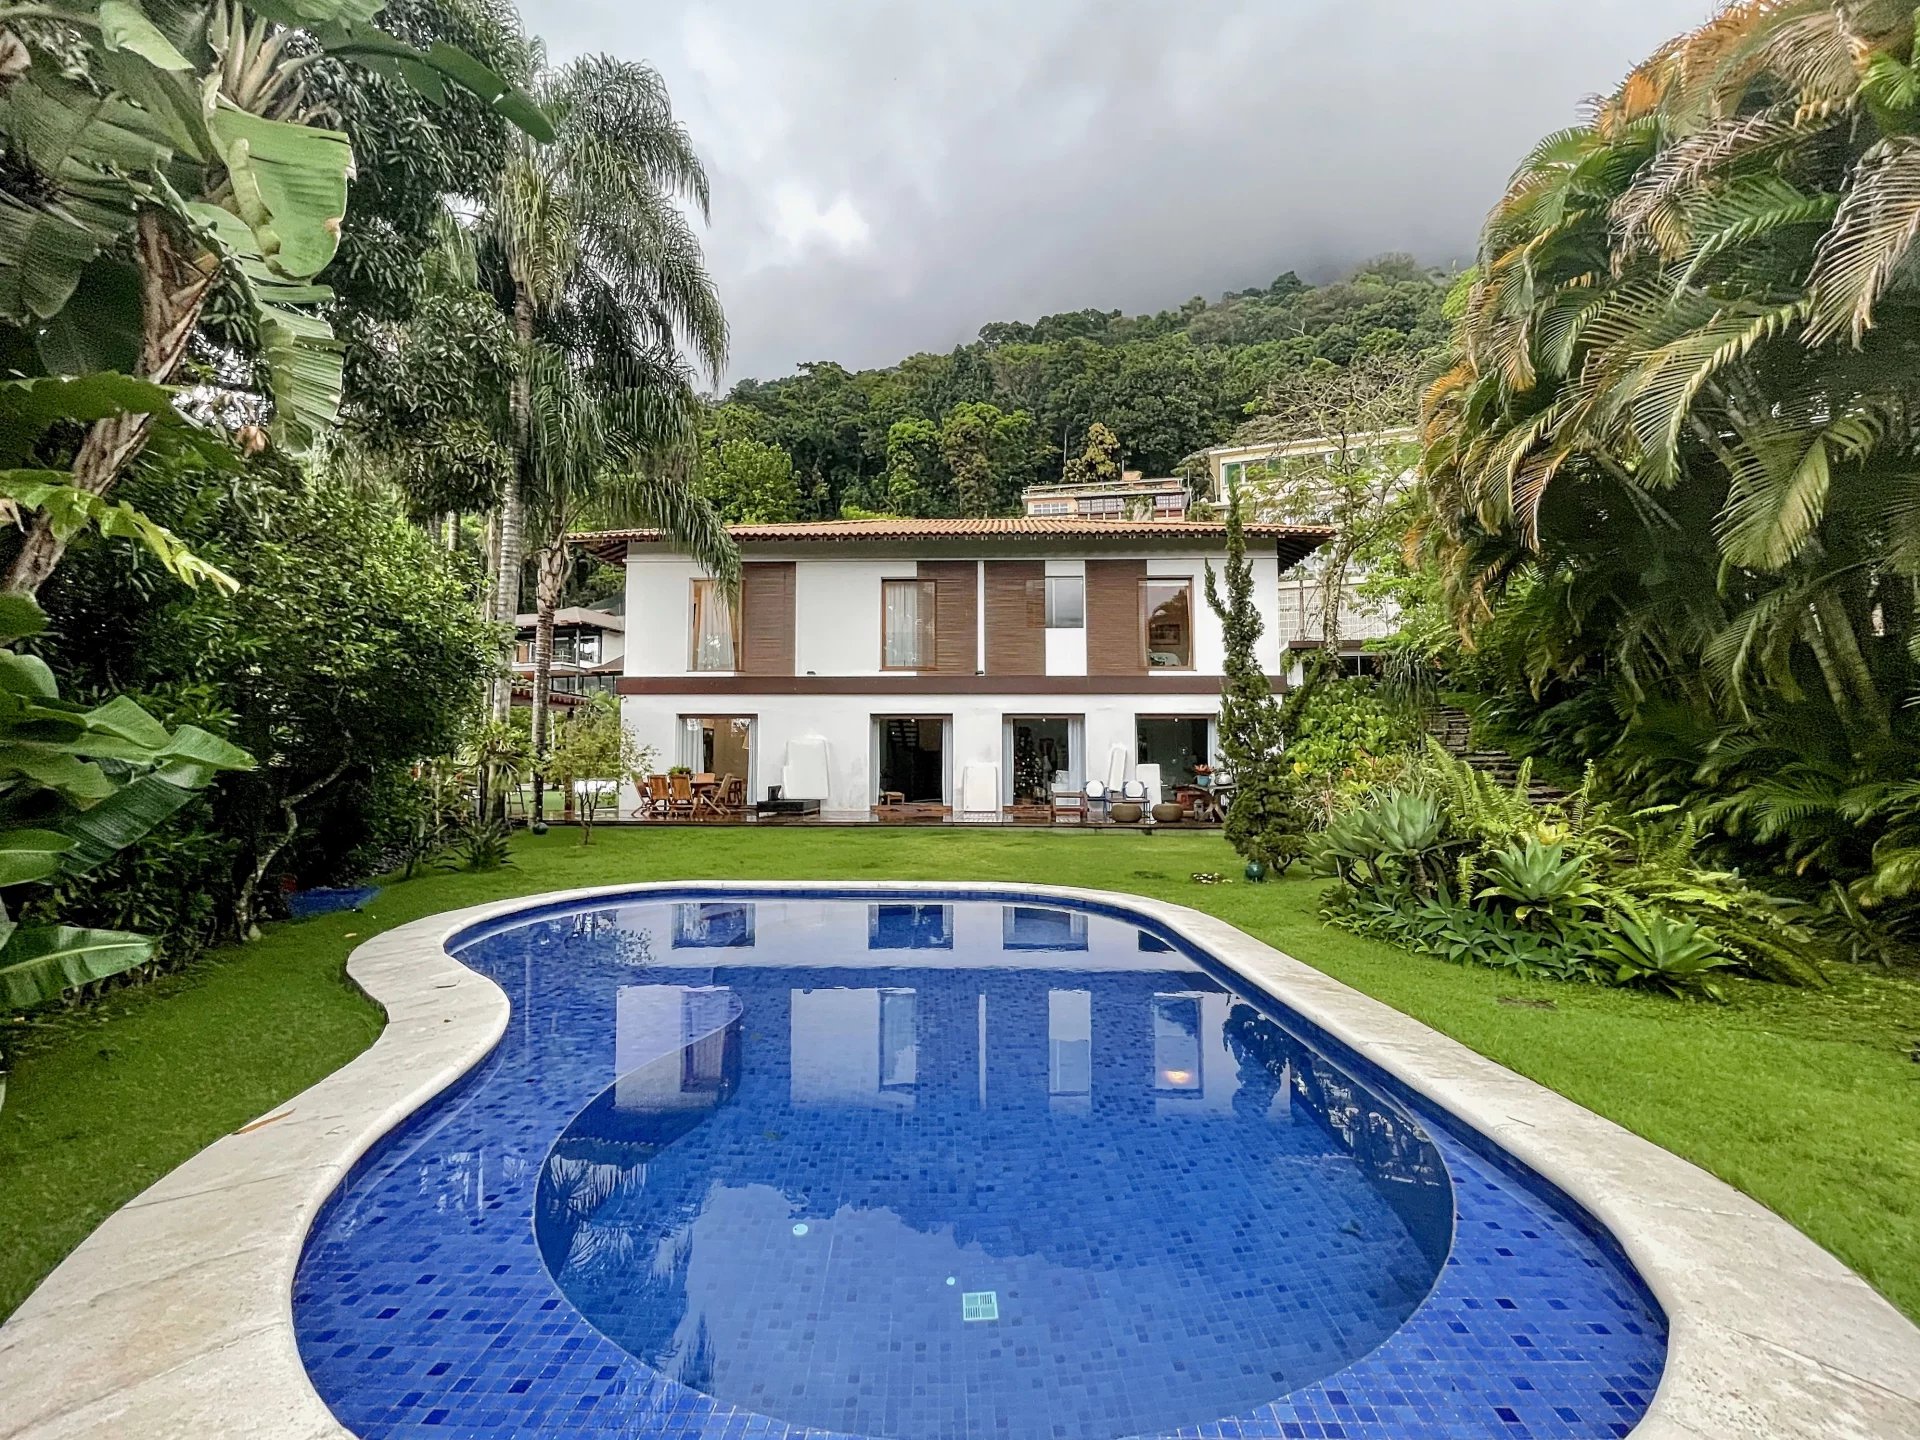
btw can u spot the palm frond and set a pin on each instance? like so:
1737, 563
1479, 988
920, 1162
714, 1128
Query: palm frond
1873, 232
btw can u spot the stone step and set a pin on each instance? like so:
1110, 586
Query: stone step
1453, 728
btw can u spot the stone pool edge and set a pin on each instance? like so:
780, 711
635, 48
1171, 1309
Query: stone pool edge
175, 1317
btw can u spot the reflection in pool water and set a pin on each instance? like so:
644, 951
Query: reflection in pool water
789, 1212
907, 1169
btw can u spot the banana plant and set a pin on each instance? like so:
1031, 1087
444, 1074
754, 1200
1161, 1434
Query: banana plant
173, 151
78, 784
29, 408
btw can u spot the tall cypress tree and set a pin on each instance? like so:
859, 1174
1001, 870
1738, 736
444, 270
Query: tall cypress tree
1250, 732
1266, 821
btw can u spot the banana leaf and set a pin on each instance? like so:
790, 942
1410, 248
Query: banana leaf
289, 185
125, 26
95, 836
30, 855
42, 963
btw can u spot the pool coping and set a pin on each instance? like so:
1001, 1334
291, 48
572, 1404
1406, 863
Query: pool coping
175, 1317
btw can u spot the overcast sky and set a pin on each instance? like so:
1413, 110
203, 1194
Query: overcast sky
890, 175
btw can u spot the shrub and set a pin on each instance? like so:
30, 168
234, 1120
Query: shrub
1658, 952
1347, 723
1448, 863
1269, 820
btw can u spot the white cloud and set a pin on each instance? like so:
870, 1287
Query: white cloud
803, 222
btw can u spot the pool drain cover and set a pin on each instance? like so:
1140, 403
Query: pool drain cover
980, 1305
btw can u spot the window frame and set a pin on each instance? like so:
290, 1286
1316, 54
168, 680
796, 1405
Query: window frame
694, 667
1184, 582
929, 623
1047, 605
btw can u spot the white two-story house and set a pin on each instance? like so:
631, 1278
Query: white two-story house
909, 659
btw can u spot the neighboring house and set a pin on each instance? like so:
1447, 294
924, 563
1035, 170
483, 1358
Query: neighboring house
1301, 602
1131, 497
589, 649
1362, 620
1244, 462
935, 655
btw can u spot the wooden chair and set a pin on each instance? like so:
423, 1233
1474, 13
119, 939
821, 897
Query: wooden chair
680, 796
658, 801
713, 798
733, 796
1069, 802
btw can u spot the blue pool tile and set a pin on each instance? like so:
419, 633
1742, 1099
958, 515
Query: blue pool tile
1122, 1165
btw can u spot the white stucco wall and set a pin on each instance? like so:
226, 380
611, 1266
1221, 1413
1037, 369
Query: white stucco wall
837, 613
976, 736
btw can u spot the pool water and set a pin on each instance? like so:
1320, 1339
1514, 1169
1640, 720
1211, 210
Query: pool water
938, 1168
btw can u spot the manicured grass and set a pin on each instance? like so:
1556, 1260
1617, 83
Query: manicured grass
1807, 1100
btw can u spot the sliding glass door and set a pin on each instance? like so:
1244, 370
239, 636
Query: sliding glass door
1036, 751
718, 745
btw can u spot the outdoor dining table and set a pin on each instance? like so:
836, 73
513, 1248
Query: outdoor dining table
1207, 804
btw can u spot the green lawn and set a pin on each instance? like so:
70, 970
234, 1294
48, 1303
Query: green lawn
1809, 1101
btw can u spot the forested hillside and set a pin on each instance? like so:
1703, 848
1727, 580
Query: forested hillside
964, 432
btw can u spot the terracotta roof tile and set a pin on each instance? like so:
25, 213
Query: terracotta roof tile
1299, 539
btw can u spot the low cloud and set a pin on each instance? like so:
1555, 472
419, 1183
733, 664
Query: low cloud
888, 178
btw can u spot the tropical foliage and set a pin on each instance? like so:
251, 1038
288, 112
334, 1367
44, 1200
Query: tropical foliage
1446, 862
1078, 396
264, 368
180, 166
1671, 490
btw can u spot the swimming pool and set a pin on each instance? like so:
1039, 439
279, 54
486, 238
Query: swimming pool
942, 1166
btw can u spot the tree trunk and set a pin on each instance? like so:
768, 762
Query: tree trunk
550, 578
512, 541
1333, 600
1843, 646
243, 921
173, 290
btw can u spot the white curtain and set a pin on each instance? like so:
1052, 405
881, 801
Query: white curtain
903, 621
713, 629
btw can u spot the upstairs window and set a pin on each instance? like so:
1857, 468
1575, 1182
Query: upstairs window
907, 624
714, 642
1050, 507
1103, 505
1166, 623
1066, 602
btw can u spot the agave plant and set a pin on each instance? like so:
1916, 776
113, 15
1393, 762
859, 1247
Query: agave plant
1534, 877
1655, 952
1392, 840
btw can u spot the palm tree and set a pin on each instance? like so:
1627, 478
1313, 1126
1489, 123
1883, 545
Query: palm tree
594, 258
608, 448
1682, 427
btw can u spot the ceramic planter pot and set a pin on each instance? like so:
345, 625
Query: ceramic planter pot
1168, 814
1125, 813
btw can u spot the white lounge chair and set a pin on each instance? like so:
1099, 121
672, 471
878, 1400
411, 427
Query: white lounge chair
980, 792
